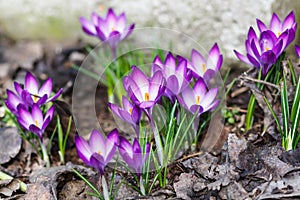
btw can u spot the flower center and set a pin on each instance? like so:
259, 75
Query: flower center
35, 98
130, 110
267, 48
203, 67
36, 123
99, 152
198, 100
112, 29
279, 33
147, 97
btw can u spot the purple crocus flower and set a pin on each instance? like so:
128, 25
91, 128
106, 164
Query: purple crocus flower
133, 155
263, 52
112, 28
288, 26
177, 76
98, 151
206, 68
13, 101
129, 113
198, 98
297, 48
34, 121
144, 91
30, 94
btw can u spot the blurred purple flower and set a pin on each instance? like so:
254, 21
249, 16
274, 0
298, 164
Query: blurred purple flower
144, 91
288, 26
263, 52
206, 68
198, 98
133, 155
129, 113
297, 48
30, 94
111, 29
177, 76
98, 151
13, 101
34, 121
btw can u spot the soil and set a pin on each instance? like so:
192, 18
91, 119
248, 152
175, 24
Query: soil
241, 165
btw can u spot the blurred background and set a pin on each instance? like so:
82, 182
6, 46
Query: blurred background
206, 21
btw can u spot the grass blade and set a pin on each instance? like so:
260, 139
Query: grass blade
285, 109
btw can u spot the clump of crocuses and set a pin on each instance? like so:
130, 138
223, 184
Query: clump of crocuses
111, 29
264, 49
30, 106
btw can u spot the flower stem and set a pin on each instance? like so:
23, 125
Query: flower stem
104, 187
157, 142
142, 188
44, 154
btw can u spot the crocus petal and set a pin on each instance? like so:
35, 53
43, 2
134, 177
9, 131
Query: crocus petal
213, 57
55, 96
31, 84
18, 88
253, 61
297, 49
46, 88
37, 115
156, 82
95, 161
50, 112
13, 99
242, 58
209, 97
83, 149
275, 24
173, 85
121, 23
97, 143
188, 97
37, 131
261, 26
289, 21
111, 144
25, 117
114, 108
87, 26
128, 32
100, 33
42, 100
268, 57
200, 87
209, 74
114, 38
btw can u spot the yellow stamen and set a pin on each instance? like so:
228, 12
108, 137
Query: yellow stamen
198, 100
267, 49
147, 97
112, 28
36, 123
35, 99
279, 33
99, 152
204, 67
130, 110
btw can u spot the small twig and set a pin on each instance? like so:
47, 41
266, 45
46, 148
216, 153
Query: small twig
238, 109
239, 91
261, 81
189, 156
